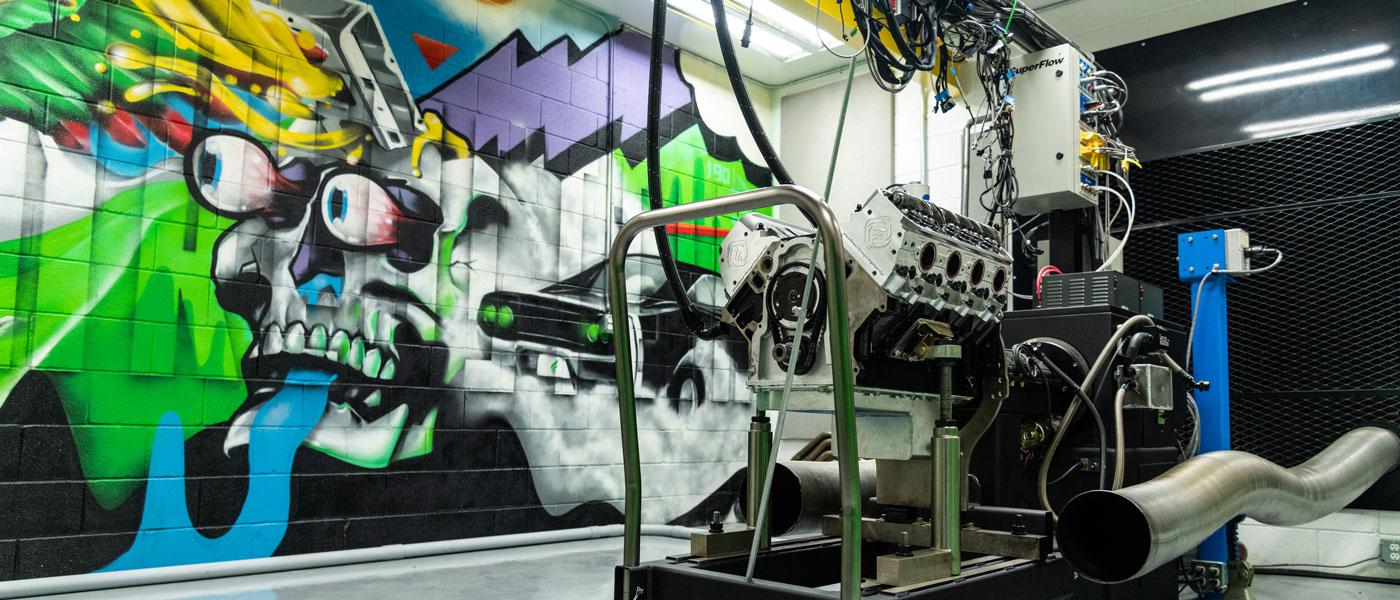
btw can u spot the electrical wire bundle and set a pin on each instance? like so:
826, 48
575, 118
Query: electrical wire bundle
1034, 32
994, 144
915, 37
1108, 95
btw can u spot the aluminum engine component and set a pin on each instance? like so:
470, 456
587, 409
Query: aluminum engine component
916, 275
921, 254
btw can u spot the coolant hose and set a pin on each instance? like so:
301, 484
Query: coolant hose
1104, 358
1116, 536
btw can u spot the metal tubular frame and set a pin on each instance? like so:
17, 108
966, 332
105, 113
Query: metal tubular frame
842, 361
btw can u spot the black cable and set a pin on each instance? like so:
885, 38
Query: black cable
1323, 575
1093, 412
694, 321
1072, 469
1312, 566
741, 94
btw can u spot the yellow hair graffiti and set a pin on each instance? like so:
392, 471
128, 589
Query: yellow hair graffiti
239, 46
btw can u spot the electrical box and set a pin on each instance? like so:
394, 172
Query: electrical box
1390, 552
1153, 390
1101, 288
1052, 169
1236, 250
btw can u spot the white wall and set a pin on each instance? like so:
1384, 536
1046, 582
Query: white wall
721, 112
1340, 539
809, 126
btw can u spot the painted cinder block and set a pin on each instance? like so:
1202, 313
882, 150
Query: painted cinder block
53, 556
1389, 522
157, 327
7, 560
41, 509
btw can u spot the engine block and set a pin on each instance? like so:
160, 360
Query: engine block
917, 275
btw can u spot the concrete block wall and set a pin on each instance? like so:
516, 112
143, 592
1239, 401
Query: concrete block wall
1347, 542
284, 276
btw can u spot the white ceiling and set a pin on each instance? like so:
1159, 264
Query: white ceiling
1093, 24
1101, 24
700, 39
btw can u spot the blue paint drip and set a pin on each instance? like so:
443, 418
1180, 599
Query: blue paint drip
167, 536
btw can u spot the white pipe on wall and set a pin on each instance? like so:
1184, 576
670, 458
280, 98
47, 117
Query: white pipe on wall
68, 584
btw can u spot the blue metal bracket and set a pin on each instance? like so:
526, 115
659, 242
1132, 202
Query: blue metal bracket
1199, 255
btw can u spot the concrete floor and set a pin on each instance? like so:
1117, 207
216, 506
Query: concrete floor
569, 571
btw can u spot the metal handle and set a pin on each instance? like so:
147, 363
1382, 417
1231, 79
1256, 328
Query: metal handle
842, 373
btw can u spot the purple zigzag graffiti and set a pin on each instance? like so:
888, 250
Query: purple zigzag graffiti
521, 103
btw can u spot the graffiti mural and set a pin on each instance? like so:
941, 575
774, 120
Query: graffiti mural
299, 275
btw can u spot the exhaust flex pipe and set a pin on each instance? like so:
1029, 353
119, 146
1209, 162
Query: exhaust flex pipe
1112, 537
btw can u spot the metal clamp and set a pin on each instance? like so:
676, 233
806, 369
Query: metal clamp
842, 361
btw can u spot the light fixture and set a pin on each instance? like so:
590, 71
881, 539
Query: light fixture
1370, 66
762, 39
1288, 67
1301, 124
793, 24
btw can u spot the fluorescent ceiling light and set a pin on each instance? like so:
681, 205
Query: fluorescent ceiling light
1354, 70
1301, 124
762, 39
1288, 67
793, 24
1325, 118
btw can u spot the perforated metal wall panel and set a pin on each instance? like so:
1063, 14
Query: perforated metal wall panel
1315, 343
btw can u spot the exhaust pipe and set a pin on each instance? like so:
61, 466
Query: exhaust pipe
804, 492
1112, 537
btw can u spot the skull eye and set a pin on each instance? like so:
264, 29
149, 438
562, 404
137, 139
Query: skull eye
359, 211
232, 175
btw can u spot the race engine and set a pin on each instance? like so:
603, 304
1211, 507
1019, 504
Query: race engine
918, 276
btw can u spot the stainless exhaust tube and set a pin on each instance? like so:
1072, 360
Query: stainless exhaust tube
804, 492
1112, 537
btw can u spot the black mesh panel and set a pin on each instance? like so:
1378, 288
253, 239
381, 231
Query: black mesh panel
1314, 347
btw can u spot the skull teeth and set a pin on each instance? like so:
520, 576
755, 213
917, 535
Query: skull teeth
339, 346
316, 342
272, 342
375, 360
296, 339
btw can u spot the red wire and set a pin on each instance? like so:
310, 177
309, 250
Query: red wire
1039, 277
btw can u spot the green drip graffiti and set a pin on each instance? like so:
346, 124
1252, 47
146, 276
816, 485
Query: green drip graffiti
123, 278
706, 178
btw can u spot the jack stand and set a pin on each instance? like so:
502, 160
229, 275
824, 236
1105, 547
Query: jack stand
760, 447
719, 542
946, 513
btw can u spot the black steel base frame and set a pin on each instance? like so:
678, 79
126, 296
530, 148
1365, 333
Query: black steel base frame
794, 572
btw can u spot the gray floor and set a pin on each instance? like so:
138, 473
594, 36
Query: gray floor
571, 571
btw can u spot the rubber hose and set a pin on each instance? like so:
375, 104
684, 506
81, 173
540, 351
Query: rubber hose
741, 94
691, 315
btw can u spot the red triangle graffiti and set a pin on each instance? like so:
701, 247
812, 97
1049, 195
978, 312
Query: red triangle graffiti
434, 52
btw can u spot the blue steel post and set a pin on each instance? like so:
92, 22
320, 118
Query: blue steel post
1198, 254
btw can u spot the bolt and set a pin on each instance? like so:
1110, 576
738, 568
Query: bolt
1019, 527
1214, 236
1059, 73
903, 549
1059, 156
1190, 240
1190, 269
716, 523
